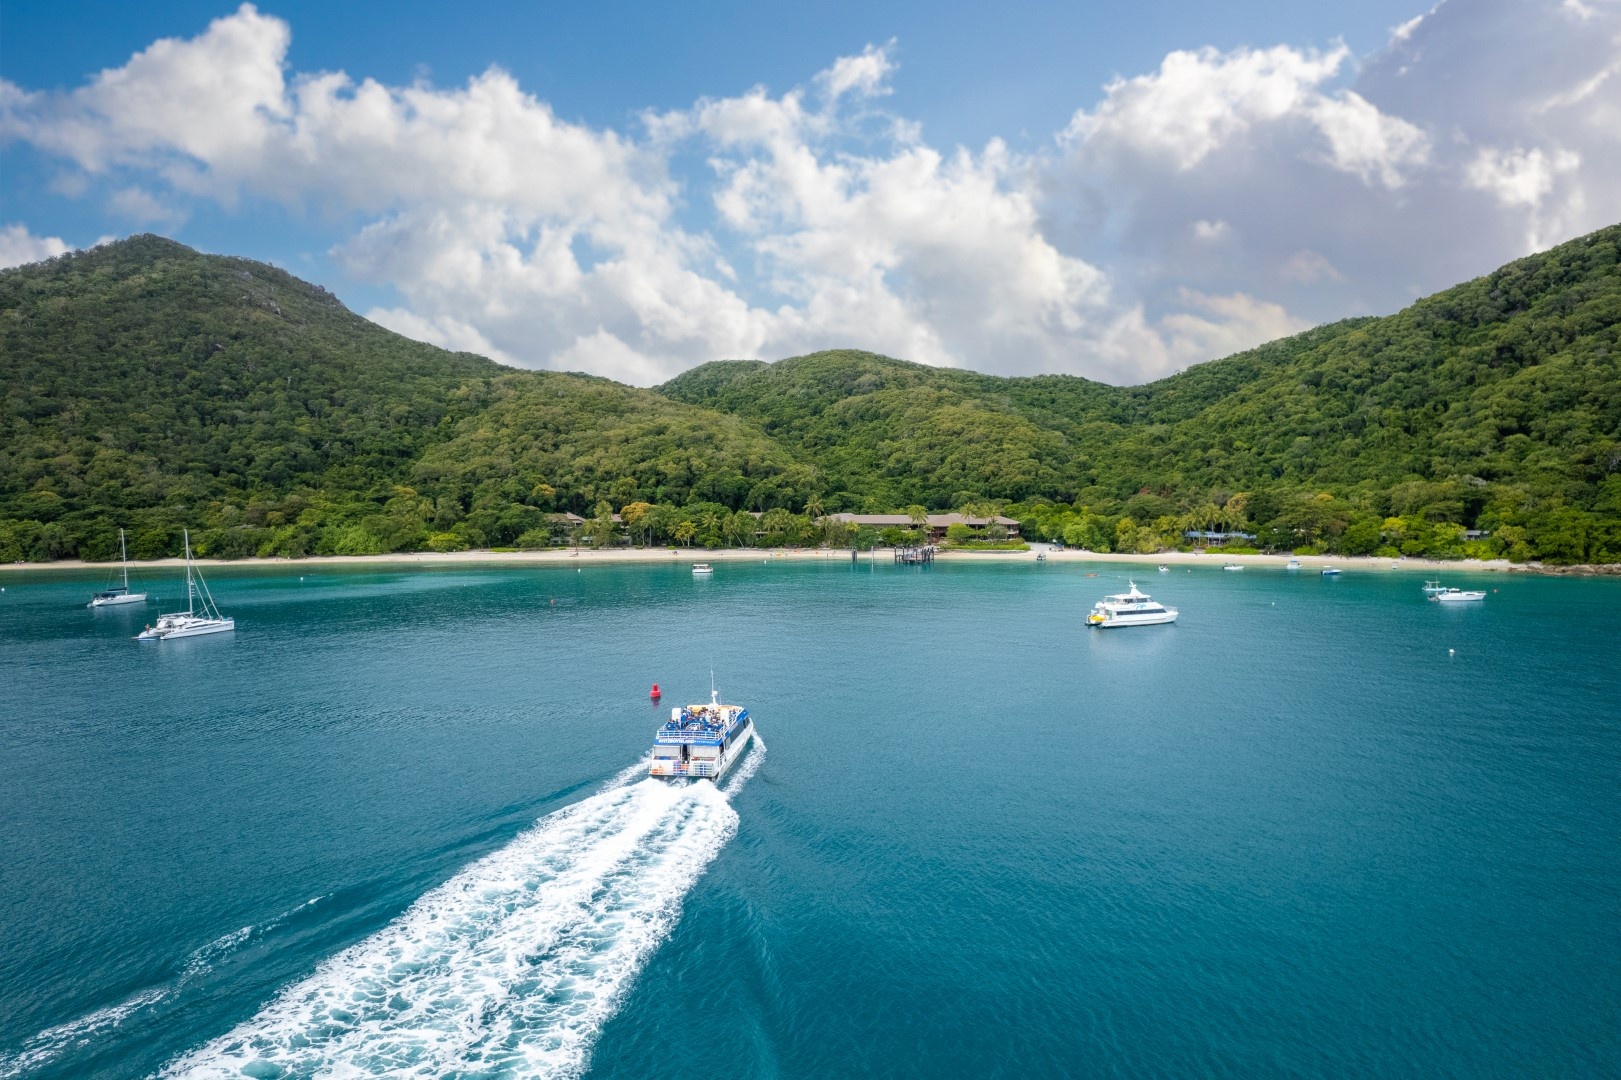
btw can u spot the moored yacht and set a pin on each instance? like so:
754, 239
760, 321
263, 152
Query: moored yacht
1133, 608
702, 569
118, 594
1233, 566
701, 741
1292, 564
1450, 596
200, 617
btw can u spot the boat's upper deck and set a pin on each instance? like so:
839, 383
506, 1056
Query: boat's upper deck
1134, 598
701, 724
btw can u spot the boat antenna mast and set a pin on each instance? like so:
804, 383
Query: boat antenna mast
714, 695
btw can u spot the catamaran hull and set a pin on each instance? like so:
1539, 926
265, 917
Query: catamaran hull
670, 769
198, 630
109, 601
1130, 620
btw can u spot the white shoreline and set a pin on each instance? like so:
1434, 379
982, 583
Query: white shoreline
584, 557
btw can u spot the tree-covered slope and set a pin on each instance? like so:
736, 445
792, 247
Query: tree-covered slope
886, 432
1502, 393
150, 386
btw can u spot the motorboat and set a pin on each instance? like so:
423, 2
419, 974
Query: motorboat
201, 616
118, 594
1292, 564
1131, 608
1233, 566
1331, 571
1452, 596
1164, 569
702, 569
701, 742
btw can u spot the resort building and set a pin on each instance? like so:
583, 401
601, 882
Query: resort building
938, 523
1201, 537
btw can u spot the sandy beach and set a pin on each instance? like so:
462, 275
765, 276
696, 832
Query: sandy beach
585, 557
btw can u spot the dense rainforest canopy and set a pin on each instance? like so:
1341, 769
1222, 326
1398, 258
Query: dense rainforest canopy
150, 387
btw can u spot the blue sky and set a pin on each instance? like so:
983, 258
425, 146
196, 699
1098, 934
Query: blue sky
1110, 190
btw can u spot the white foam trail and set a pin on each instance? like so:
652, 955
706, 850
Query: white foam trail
626, 775
50, 1043
511, 966
746, 768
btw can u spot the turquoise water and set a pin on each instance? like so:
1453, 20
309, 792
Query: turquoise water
1292, 835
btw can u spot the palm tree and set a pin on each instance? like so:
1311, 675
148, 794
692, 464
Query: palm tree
602, 526
969, 511
989, 509
740, 528
685, 531
919, 516
815, 513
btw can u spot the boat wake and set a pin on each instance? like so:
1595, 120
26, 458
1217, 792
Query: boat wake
745, 768
51, 1043
510, 967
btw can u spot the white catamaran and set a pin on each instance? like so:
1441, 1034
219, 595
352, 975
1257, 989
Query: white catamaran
201, 616
1134, 608
118, 594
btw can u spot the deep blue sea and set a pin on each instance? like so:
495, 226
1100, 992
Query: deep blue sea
391, 826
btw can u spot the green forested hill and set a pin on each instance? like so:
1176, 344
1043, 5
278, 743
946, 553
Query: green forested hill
1494, 403
149, 386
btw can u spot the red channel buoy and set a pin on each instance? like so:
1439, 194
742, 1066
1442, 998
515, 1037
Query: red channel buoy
654, 693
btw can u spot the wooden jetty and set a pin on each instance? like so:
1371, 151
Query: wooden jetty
915, 555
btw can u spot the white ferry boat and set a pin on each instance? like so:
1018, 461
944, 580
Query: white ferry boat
1452, 596
1132, 608
701, 741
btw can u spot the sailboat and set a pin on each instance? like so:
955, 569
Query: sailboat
201, 615
118, 594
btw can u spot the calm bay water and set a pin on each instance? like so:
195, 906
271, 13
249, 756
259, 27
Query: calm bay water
1291, 835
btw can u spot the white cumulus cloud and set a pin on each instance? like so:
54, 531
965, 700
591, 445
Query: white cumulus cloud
1219, 200
19, 246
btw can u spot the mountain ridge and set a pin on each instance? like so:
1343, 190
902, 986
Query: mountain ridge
151, 385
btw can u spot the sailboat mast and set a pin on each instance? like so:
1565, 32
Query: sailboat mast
191, 590
123, 557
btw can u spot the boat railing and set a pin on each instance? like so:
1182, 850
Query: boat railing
684, 768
